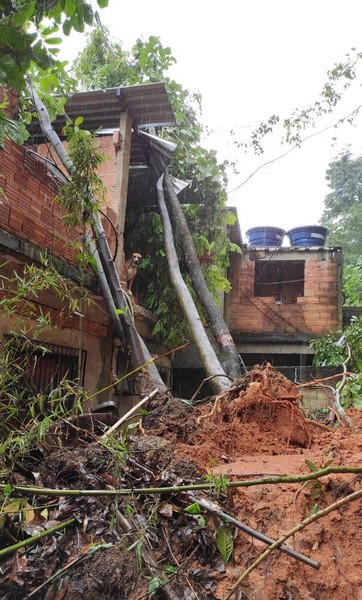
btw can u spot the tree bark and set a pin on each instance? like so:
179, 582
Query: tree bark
229, 356
206, 352
107, 276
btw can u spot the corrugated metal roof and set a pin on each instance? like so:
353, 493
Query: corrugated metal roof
148, 105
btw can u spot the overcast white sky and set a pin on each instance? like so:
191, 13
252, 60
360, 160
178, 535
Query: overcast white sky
250, 59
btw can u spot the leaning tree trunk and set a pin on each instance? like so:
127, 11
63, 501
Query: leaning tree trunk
112, 311
229, 356
206, 352
108, 277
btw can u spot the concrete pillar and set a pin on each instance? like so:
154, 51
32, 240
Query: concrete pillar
122, 143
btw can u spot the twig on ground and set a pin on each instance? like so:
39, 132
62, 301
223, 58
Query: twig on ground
37, 537
127, 415
256, 534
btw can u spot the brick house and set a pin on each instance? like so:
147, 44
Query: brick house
31, 223
281, 298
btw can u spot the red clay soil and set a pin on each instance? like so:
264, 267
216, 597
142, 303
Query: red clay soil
256, 429
259, 429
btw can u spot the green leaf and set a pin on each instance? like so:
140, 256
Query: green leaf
314, 509
170, 569
8, 488
153, 586
225, 542
311, 465
201, 521
193, 509
67, 27
119, 311
54, 41
78, 121
357, 402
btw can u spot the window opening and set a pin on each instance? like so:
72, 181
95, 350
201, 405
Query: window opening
44, 365
281, 279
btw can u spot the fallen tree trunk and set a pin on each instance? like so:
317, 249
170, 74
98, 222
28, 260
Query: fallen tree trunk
206, 352
108, 277
229, 356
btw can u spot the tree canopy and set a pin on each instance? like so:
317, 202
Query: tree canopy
29, 30
342, 213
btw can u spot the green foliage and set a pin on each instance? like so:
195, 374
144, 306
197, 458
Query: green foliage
144, 233
353, 335
349, 350
327, 352
153, 586
342, 213
83, 193
22, 290
29, 33
219, 482
193, 509
103, 63
331, 354
353, 283
26, 414
294, 126
351, 394
9, 128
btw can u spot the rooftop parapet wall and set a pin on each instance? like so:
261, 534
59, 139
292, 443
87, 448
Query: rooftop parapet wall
317, 310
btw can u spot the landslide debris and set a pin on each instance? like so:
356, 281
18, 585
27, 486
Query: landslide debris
139, 545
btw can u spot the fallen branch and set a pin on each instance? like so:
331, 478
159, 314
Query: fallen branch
36, 538
127, 415
315, 382
281, 540
256, 534
205, 381
41, 491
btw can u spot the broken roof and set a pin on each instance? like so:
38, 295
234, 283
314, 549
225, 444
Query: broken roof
148, 106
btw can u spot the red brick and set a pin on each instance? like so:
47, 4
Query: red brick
97, 329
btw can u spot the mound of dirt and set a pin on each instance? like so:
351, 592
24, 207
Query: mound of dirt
261, 413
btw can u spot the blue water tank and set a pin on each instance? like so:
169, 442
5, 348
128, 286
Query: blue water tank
307, 236
265, 237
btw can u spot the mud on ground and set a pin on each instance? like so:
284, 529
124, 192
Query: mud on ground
149, 545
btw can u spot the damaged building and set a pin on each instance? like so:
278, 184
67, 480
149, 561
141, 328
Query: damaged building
281, 297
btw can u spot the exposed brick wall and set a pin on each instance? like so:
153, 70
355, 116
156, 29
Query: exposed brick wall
28, 208
317, 312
